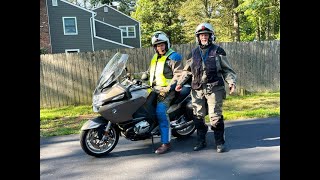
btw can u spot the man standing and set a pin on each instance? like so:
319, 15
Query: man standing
209, 67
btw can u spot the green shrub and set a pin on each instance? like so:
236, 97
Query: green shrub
43, 51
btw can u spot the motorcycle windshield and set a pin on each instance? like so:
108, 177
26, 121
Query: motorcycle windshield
112, 70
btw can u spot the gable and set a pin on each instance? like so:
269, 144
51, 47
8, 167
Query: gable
113, 16
72, 5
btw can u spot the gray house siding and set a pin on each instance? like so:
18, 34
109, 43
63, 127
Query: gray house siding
118, 19
107, 32
132, 42
59, 41
102, 45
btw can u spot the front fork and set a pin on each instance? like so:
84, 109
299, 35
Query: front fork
106, 132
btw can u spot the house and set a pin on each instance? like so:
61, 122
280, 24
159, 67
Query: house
73, 28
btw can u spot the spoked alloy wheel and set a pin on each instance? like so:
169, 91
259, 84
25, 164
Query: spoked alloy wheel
93, 144
185, 131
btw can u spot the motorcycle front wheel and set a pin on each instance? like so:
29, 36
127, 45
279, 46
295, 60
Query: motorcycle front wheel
93, 143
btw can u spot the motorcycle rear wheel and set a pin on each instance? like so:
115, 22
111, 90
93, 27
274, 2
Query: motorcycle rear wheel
90, 141
184, 132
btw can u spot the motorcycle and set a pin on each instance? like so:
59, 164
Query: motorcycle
126, 107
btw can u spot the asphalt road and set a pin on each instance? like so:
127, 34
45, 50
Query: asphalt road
253, 153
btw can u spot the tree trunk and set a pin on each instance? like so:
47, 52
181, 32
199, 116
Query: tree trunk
268, 25
258, 29
236, 22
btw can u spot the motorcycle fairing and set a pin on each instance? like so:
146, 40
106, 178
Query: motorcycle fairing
122, 111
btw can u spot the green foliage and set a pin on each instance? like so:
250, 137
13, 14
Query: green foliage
43, 51
259, 19
95, 2
261, 15
161, 15
126, 7
247, 32
217, 13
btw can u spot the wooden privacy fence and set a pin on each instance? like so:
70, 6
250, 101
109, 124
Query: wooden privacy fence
69, 79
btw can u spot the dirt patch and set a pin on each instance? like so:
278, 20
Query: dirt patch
87, 116
78, 118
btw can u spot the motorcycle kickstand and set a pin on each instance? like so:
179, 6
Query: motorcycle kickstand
153, 149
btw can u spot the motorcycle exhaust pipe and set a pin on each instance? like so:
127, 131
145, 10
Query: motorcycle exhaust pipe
184, 125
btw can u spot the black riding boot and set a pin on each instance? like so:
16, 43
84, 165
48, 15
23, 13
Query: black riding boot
218, 130
202, 130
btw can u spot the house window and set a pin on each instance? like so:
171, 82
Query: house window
128, 31
70, 25
105, 9
72, 50
54, 3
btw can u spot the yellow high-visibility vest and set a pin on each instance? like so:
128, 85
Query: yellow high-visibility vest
156, 69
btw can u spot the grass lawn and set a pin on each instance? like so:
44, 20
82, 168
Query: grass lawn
68, 120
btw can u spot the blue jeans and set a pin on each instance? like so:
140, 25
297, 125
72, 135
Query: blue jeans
164, 122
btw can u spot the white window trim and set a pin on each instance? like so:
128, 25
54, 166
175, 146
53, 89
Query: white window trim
54, 2
67, 50
127, 31
64, 30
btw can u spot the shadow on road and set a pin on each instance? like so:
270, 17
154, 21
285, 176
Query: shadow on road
253, 147
239, 135
253, 133
242, 134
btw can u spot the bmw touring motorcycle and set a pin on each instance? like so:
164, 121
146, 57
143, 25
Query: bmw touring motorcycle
126, 107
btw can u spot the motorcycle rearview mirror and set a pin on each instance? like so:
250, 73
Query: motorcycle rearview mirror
127, 74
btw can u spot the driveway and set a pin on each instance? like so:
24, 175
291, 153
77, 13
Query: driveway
253, 153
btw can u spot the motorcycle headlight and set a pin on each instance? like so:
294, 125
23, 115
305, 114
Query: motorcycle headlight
96, 102
95, 108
